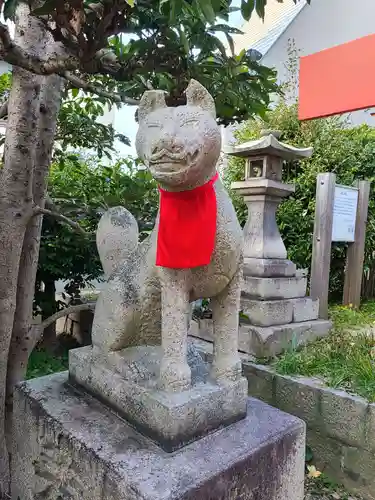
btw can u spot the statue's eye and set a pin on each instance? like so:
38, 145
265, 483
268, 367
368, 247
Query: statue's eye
192, 123
153, 125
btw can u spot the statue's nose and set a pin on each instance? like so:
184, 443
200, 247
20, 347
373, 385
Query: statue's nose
168, 141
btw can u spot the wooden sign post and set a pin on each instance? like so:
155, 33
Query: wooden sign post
356, 250
321, 251
340, 216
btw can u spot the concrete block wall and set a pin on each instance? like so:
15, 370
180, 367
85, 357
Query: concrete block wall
340, 426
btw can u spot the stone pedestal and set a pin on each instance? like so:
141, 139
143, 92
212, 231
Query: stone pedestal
276, 311
68, 445
128, 381
276, 314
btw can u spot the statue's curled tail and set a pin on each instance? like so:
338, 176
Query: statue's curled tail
116, 238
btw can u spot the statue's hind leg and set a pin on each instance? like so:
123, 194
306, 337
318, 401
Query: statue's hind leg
114, 321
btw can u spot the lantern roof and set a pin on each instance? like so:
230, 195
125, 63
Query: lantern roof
268, 144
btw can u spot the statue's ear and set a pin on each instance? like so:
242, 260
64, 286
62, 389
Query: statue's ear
197, 95
151, 100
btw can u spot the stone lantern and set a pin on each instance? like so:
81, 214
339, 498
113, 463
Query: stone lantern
275, 308
265, 253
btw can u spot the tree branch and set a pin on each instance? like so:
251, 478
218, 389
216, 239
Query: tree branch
82, 84
16, 56
89, 306
39, 210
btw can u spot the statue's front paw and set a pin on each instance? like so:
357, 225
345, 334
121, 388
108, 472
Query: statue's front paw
226, 369
174, 376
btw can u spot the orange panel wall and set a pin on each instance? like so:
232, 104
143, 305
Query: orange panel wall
338, 80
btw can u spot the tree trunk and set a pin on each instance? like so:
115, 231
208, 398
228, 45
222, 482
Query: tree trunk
23, 340
16, 179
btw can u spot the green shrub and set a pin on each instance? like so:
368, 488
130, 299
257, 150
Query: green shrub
348, 152
83, 191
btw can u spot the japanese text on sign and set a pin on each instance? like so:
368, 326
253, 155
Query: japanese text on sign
344, 214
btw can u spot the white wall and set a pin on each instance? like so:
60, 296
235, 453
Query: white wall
325, 24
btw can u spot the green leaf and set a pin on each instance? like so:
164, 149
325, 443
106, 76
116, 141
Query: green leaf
260, 7
184, 40
10, 9
309, 454
231, 43
207, 10
225, 28
247, 8
130, 2
75, 92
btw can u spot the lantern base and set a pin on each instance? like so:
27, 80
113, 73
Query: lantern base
268, 268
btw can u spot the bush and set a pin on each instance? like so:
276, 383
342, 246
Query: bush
348, 152
83, 191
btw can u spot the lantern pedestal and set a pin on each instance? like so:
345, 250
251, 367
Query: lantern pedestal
275, 312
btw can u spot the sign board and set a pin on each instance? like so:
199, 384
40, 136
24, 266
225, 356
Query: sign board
344, 213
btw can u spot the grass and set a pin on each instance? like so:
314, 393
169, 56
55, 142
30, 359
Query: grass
42, 363
345, 359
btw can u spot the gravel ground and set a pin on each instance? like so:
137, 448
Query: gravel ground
321, 489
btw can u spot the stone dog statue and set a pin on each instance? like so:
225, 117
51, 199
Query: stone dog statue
146, 304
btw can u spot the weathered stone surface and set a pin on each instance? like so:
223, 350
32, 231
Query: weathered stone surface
129, 382
268, 268
261, 380
358, 470
70, 446
344, 416
145, 304
268, 144
274, 288
305, 309
272, 340
340, 427
290, 392
267, 312
262, 236
370, 428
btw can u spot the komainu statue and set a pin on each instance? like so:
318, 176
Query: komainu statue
194, 251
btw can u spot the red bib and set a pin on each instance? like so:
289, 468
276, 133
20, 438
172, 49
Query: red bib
187, 227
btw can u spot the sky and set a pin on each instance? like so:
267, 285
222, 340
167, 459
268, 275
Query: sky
124, 121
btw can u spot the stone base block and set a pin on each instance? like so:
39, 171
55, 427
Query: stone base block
267, 312
270, 341
69, 445
268, 268
274, 288
279, 312
128, 382
266, 341
305, 309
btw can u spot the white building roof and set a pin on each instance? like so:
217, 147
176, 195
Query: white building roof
261, 35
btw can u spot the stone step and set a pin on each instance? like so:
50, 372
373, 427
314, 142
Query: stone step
264, 342
267, 312
305, 309
279, 312
274, 288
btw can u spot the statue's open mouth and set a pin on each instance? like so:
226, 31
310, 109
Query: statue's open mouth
165, 158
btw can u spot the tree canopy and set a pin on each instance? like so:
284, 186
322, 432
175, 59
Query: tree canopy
119, 48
